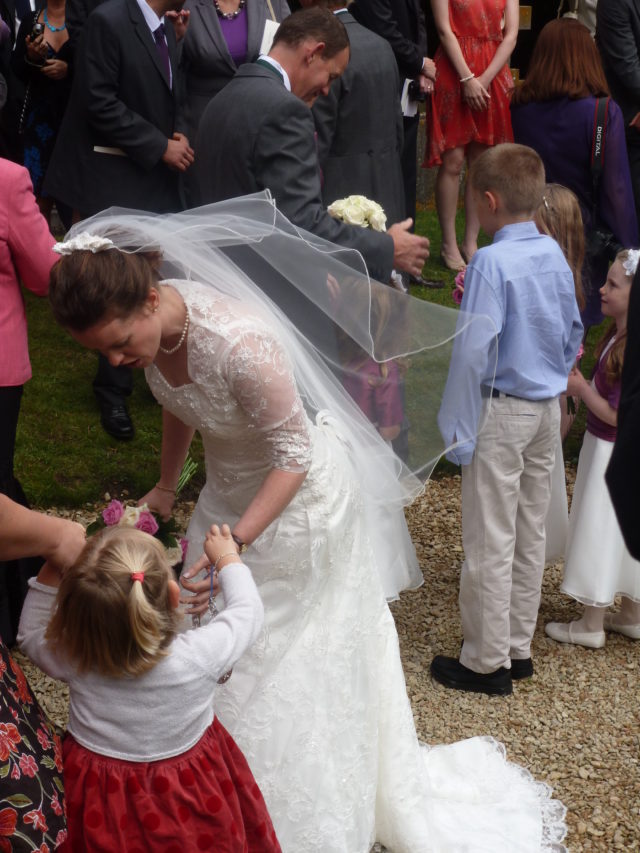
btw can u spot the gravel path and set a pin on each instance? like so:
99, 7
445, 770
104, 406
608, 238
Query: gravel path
576, 724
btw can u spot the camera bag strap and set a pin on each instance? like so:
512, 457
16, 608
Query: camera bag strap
598, 151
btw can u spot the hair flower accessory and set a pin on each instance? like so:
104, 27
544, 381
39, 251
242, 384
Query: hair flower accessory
630, 264
84, 242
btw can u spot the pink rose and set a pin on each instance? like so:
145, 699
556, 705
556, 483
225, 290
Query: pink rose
112, 513
184, 544
580, 352
147, 523
458, 290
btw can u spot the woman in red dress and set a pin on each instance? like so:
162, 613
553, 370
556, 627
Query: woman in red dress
470, 105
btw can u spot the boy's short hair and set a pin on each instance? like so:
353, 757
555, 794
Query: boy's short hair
514, 172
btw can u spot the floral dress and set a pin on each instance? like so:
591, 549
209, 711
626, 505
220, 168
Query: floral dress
477, 24
32, 811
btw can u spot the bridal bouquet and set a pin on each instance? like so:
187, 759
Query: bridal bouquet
117, 514
359, 210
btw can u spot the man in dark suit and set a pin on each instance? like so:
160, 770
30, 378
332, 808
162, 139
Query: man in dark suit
360, 148
401, 23
258, 133
623, 472
618, 40
120, 141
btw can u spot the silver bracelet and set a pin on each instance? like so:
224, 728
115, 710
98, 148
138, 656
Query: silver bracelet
466, 79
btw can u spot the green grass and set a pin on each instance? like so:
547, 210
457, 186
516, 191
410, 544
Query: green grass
64, 457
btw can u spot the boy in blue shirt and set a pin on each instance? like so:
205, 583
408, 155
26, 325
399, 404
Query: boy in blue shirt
523, 283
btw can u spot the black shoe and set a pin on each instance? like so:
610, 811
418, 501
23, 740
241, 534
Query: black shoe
116, 421
433, 283
451, 673
521, 668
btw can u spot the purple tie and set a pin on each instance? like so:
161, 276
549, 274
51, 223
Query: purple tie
163, 50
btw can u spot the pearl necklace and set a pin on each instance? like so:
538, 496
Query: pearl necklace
180, 342
229, 16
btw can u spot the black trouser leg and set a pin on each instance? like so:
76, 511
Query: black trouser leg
409, 164
112, 384
14, 574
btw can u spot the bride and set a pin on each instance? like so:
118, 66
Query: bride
318, 705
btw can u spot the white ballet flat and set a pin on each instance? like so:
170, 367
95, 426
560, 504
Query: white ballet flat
565, 632
631, 631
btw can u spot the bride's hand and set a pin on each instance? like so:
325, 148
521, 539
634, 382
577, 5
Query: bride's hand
160, 501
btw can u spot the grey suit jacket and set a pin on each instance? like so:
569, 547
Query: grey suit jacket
255, 135
206, 59
359, 148
121, 99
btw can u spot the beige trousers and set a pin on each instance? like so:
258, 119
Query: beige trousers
505, 495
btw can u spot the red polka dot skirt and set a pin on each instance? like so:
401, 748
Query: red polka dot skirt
204, 799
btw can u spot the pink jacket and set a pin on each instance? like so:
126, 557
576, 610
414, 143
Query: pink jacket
25, 255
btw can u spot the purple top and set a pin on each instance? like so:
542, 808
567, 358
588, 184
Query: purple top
611, 394
235, 34
561, 132
379, 398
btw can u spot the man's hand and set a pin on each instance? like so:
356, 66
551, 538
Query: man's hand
180, 22
409, 251
428, 68
426, 85
179, 154
635, 122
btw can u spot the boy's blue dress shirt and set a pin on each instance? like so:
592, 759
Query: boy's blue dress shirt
524, 284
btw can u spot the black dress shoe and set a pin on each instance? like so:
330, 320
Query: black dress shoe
433, 283
116, 421
451, 673
521, 668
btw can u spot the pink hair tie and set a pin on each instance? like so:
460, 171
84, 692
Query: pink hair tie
137, 576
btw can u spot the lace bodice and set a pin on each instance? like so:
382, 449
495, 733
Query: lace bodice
242, 397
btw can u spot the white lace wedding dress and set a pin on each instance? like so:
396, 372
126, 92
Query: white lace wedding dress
319, 705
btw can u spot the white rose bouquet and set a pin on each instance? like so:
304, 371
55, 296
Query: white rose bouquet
359, 210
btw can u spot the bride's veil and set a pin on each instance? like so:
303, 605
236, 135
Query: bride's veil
316, 295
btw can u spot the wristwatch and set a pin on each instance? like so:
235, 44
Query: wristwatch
242, 546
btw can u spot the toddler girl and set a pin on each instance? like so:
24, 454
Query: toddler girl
146, 764
597, 563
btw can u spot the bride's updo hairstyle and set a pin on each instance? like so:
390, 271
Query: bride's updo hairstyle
113, 613
86, 287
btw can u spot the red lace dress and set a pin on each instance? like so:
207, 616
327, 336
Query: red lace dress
477, 24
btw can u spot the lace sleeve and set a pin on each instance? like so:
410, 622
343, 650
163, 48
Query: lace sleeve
261, 379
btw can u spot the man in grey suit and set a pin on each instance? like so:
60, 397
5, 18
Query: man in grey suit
401, 23
258, 133
120, 141
359, 147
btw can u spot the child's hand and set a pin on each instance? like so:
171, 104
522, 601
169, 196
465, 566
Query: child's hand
218, 545
576, 383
